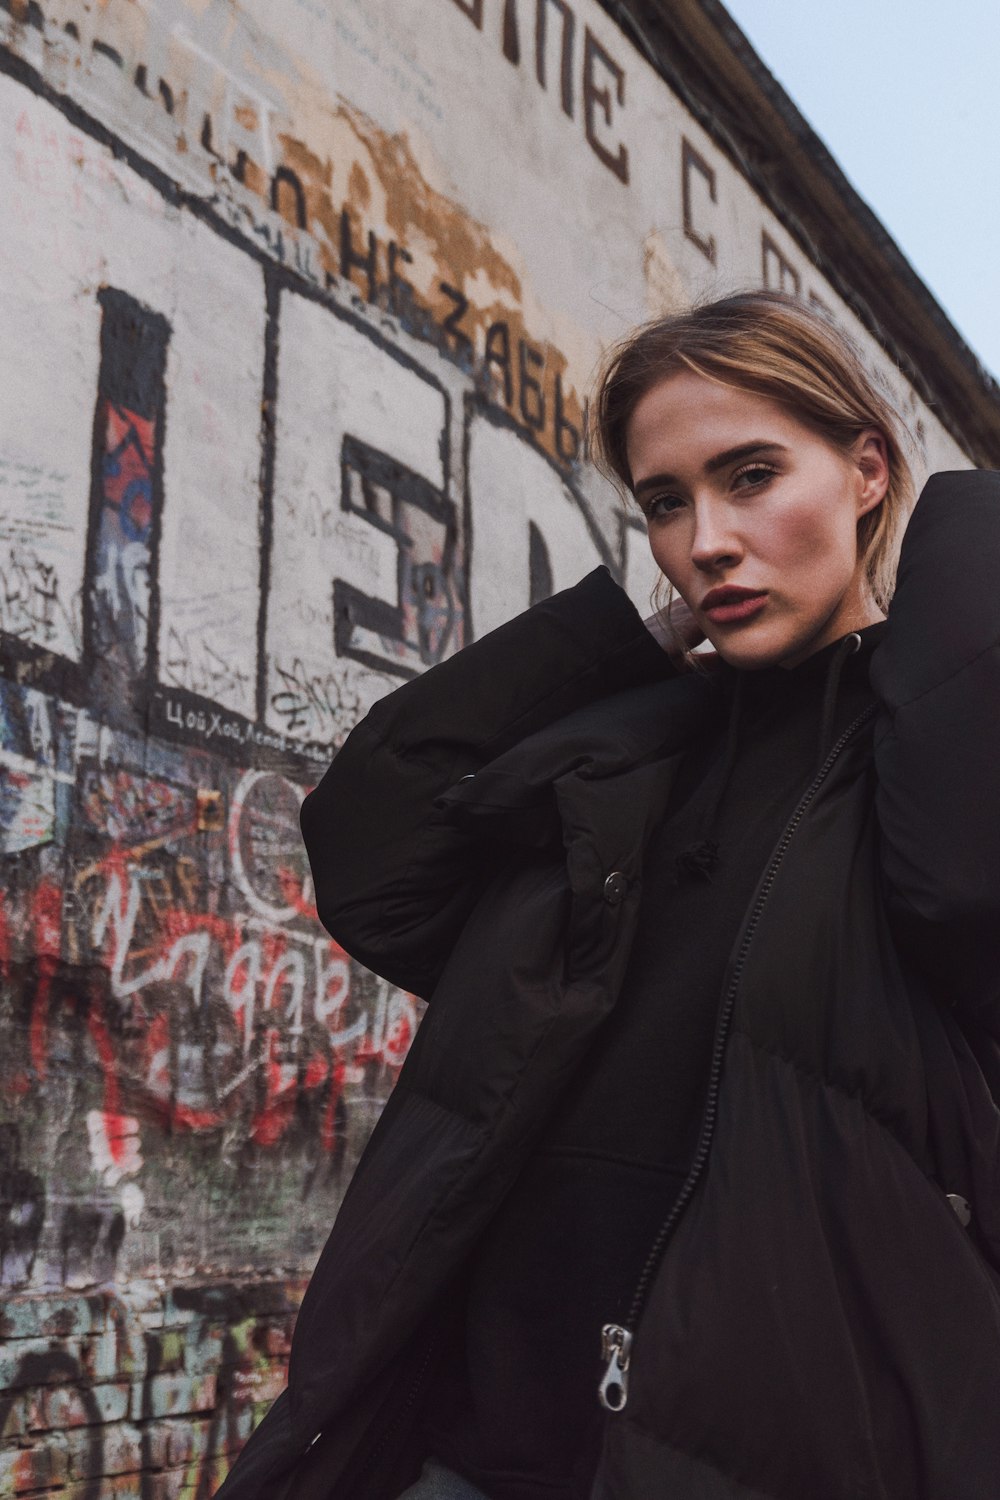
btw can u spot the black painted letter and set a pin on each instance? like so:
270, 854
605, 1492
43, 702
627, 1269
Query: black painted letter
594, 53
473, 9
566, 56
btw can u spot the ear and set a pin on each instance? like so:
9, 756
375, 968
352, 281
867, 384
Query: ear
870, 453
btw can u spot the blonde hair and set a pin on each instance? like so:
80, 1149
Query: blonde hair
768, 343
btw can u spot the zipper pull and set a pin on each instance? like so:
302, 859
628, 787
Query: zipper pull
616, 1350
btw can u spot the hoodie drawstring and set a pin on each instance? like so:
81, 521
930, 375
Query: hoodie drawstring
848, 646
701, 857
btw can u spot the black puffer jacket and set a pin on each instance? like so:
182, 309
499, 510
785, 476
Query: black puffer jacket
821, 1325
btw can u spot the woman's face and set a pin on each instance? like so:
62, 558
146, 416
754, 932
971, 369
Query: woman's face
752, 516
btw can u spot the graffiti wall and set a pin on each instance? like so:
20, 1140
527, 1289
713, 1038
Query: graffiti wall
301, 304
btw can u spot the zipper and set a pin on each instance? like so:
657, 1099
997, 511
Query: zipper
617, 1339
616, 1350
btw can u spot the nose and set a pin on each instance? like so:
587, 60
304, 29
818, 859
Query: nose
715, 542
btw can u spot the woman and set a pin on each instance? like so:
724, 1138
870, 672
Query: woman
700, 1115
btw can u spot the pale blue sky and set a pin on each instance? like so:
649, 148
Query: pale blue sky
906, 95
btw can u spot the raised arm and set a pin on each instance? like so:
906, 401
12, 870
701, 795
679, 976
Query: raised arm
937, 745
395, 879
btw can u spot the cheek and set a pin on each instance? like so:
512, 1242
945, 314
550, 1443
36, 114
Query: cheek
799, 539
817, 539
668, 556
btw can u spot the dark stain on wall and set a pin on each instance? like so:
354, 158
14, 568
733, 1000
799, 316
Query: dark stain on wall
121, 611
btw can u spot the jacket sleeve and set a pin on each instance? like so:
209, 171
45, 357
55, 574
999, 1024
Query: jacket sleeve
937, 742
394, 878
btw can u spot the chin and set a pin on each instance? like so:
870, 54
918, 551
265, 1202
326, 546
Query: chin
749, 661
748, 654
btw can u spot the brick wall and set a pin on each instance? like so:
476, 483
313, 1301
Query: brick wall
141, 1394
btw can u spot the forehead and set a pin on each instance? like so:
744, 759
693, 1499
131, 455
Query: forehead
686, 419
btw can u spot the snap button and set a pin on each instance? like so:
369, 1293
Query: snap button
963, 1211
615, 887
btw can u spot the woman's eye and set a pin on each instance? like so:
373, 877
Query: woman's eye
661, 505
755, 474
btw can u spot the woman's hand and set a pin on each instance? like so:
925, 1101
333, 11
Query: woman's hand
675, 628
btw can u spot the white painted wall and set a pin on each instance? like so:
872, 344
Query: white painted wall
333, 382
512, 485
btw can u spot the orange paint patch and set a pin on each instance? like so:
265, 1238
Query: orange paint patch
255, 178
456, 242
424, 243
359, 187
316, 178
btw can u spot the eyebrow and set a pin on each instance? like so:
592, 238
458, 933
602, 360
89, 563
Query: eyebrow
712, 465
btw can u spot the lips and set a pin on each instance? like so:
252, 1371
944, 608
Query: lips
725, 605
